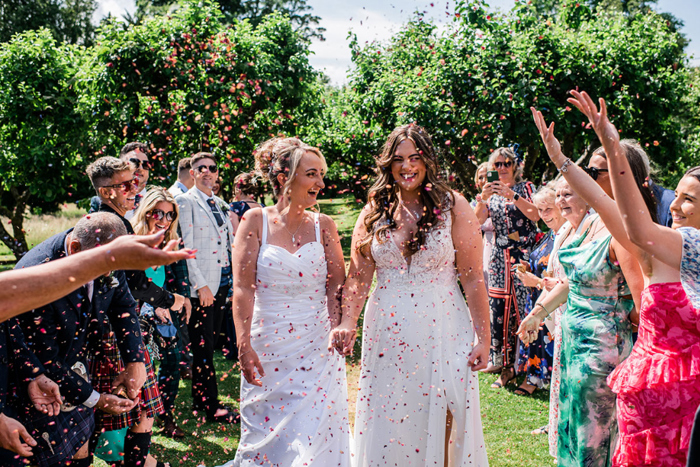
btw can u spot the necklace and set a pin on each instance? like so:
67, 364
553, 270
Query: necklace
294, 240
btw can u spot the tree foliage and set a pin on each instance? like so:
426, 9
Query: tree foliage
188, 83
69, 21
39, 129
473, 85
298, 11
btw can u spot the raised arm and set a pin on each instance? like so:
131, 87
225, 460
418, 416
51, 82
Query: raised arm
355, 290
244, 259
662, 243
336, 268
466, 237
584, 185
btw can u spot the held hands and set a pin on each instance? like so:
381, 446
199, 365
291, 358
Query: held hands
605, 130
342, 339
206, 298
14, 437
45, 395
249, 361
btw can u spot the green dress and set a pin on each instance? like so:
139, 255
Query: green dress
596, 337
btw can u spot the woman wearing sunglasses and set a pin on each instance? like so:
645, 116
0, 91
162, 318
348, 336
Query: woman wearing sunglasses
508, 202
159, 211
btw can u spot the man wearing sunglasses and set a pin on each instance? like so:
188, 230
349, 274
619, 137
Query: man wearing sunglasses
136, 154
206, 226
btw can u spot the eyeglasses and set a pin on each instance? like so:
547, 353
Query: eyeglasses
505, 164
147, 165
212, 168
594, 172
126, 186
158, 214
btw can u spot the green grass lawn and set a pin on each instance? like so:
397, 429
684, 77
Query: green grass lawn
507, 418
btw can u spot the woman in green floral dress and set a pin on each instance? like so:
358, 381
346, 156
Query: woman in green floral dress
598, 336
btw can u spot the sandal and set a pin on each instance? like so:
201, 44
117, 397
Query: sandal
522, 391
543, 430
498, 385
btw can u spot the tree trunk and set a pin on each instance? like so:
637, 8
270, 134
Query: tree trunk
18, 243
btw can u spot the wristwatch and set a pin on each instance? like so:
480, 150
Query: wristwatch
516, 197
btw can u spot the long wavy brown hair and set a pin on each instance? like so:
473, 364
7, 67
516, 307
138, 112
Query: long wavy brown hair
383, 196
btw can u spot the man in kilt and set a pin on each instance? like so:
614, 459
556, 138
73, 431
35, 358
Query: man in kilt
60, 333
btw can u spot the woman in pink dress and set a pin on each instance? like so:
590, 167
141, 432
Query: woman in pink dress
658, 385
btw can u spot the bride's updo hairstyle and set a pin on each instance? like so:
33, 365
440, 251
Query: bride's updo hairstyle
436, 196
281, 156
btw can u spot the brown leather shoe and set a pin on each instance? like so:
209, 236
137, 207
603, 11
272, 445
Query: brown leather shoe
186, 373
171, 430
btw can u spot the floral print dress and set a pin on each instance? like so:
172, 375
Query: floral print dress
536, 359
658, 386
515, 237
596, 338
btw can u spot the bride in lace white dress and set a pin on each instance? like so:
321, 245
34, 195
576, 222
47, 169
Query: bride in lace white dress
288, 270
419, 394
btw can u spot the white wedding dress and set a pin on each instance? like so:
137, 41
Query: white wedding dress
416, 340
299, 417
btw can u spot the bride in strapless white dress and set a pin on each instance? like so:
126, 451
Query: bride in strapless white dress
418, 401
296, 412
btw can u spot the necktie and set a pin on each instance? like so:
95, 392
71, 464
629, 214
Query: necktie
216, 212
137, 200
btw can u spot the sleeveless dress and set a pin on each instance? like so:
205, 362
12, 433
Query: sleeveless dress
658, 386
596, 337
299, 417
416, 340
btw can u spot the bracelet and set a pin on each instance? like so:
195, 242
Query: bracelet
241, 354
563, 168
542, 306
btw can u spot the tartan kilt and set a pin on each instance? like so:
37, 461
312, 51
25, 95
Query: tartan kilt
58, 438
104, 368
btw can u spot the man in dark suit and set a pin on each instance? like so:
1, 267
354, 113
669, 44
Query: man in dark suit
59, 335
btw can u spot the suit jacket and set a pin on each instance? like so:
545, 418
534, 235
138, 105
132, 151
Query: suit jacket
200, 231
664, 197
16, 360
59, 332
139, 285
177, 188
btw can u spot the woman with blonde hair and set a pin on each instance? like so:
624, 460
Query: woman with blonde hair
288, 271
480, 179
159, 211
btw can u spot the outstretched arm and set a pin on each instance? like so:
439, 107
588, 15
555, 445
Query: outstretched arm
25, 289
584, 185
660, 242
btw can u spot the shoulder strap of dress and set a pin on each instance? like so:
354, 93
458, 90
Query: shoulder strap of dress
264, 226
317, 222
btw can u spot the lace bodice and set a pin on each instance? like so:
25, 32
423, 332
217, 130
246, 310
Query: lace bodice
433, 264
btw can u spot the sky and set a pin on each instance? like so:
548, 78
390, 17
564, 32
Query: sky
379, 19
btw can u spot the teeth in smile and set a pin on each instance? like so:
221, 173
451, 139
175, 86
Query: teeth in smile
408, 176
